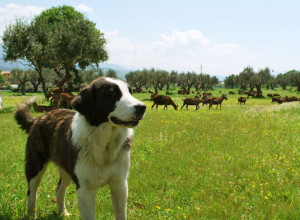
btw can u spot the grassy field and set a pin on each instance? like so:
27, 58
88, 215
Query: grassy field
241, 162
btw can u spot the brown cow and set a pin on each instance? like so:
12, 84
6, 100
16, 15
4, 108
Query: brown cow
242, 100
278, 100
42, 108
163, 100
191, 101
217, 101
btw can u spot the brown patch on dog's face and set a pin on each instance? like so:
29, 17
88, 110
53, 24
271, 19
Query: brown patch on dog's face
97, 101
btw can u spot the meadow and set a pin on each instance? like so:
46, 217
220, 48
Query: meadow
241, 162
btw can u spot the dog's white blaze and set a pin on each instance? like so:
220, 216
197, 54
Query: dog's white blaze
125, 107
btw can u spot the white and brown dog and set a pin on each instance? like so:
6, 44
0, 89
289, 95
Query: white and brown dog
91, 146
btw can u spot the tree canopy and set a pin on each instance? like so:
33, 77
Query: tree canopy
59, 38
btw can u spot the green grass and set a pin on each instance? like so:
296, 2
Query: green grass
241, 162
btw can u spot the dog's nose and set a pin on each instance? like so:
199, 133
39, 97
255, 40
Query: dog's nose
140, 109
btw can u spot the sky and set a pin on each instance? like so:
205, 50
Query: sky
215, 37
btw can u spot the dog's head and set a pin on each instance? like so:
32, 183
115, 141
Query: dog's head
109, 100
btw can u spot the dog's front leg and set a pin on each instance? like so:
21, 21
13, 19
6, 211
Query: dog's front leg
119, 194
86, 203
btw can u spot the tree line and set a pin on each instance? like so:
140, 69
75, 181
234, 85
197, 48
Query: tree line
29, 80
249, 79
158, 79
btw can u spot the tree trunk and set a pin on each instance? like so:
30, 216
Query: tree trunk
65, 79
258, 88
251, 87
35, 86
23, 88
156, 89
44, 85
243, 87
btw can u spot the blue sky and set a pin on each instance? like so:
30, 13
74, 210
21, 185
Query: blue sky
222, 36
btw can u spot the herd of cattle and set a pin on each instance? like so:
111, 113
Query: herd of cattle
61, 98
208, 99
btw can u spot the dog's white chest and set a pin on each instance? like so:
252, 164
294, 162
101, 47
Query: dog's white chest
95, 176
101, 154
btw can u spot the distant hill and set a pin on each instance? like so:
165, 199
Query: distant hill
121, 71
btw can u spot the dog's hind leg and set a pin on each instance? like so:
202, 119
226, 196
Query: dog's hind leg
61, 188
33, 184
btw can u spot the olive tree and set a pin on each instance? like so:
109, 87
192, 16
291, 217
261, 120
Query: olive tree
59, 38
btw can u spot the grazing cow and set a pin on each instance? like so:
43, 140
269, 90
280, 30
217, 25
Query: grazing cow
163, 100
217, 101
242, 100
138, 90
197, 96
207, 94
231, 93
251, 93
183, 92
206, 100
291, 99
65, 100
191, 101
169, 93
42, 108
278, 100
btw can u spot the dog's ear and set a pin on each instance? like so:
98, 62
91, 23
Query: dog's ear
83, 103
97, 101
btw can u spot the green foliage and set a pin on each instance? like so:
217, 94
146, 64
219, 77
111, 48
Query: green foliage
59, 14
2, 79
111, 73
230, 81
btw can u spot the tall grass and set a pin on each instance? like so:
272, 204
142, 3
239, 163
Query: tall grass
241, 162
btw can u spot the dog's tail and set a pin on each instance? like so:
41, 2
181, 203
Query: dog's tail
23, 116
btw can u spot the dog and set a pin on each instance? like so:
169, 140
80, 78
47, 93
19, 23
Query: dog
90, 146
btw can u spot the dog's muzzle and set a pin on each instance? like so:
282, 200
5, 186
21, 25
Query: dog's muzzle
139, 114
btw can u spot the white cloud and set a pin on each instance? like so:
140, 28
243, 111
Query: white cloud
117, 43
83, 8
10, 12
225, 49
180, 50
182, 39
